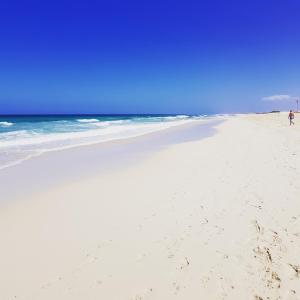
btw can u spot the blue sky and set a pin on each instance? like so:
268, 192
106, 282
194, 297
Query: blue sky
148, 56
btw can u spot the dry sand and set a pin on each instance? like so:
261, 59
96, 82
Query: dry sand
217, 218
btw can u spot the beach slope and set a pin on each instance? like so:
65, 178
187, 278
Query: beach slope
217, 218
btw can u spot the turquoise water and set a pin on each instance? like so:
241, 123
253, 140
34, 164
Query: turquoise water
22, 137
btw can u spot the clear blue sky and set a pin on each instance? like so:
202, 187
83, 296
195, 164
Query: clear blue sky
147, 56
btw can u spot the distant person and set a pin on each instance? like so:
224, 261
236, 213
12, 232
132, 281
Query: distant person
291, 118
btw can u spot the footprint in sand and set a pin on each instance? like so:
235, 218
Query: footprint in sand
146, 294
292, 295
258, 227
296, 269
276, 278
204, 221
176, 286
184, 264
272, 279
265, 252
204, 280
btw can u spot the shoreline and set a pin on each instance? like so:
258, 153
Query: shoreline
74, 163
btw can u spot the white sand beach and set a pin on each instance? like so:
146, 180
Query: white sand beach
215, 218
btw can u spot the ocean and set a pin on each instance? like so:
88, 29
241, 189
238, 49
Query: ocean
23, 137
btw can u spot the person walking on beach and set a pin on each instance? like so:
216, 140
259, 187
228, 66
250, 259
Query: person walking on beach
291, 117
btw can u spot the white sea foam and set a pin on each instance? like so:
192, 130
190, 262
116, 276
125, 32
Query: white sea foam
182, 116
108, 132
36, 139
6, 124
87, 120
109, 123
